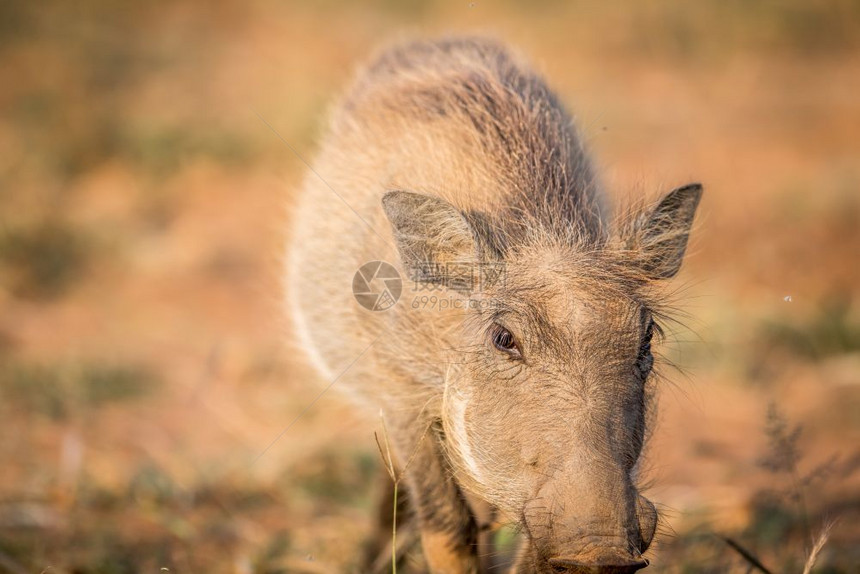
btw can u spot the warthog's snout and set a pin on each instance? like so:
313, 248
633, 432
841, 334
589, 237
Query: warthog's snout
603, 528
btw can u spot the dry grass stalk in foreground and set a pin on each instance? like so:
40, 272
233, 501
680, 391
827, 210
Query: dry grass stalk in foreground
396, 478
818, 545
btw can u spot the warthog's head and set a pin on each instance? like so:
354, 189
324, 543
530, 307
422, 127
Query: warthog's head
547, 389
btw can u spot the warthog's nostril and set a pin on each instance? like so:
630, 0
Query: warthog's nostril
574, 566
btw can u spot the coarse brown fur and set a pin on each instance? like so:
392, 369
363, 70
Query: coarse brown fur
448, 158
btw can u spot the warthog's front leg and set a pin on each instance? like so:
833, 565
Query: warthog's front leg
448, 530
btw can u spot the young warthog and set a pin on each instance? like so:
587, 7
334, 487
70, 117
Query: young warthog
513, 373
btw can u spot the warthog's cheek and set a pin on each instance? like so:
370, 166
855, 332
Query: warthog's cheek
457, 433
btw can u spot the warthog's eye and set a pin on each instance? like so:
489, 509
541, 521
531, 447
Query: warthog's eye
504, 340
645, 360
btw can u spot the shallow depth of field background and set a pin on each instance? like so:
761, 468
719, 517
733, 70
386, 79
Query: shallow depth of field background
146, 362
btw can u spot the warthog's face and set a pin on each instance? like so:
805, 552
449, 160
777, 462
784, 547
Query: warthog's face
546, 413
546, 398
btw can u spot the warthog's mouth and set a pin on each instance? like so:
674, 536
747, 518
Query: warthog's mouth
603, 566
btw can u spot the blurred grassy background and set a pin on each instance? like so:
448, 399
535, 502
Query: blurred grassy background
145, 362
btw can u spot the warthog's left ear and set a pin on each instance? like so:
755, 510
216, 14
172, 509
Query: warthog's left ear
430, 233
662, 239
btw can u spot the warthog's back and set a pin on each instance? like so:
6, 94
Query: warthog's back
462, 119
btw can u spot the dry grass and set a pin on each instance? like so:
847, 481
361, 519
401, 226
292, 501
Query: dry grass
818, 546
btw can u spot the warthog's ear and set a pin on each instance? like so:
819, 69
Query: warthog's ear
662, 239
430, 232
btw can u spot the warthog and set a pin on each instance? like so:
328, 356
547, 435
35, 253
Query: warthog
527, 393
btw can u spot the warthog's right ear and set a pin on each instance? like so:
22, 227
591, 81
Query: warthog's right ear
428, 230
662, 238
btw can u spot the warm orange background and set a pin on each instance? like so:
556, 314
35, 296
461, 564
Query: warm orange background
145, 359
